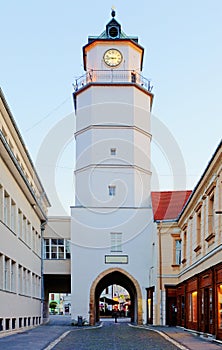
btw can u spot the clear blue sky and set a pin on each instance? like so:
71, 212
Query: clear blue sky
41, 53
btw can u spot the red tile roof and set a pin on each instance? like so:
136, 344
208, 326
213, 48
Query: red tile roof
167, 205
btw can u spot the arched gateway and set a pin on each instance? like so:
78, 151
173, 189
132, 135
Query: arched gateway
120, 277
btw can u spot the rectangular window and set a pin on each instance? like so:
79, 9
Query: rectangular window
24, 228
112, 151
13, 216
6, 208
184, 246
112, 190
198, 233
56, 248
211, 215
29, 233
7, 274
1, 270
116, 242
13, 276
178, 251
19, 223
20, 285
1, 202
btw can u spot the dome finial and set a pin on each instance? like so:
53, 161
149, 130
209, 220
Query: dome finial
113, 13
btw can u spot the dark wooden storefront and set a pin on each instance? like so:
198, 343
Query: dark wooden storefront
199, 302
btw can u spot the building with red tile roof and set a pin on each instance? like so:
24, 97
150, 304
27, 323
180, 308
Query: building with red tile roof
167, 205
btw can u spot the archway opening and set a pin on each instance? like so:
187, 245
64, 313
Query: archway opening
123, 279
115, 301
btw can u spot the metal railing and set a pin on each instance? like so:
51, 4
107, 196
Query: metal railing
112, 76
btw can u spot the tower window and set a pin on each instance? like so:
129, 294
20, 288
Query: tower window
116, 241
112, 190
112, 151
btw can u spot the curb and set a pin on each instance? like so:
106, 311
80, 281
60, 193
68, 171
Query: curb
172, 341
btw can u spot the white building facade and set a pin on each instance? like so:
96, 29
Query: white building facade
112, 220
23, 214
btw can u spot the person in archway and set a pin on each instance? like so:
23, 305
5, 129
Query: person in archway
116, 315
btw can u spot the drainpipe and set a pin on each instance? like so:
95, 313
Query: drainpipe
43, 223
160, 273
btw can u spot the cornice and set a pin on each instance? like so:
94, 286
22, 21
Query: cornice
112, 126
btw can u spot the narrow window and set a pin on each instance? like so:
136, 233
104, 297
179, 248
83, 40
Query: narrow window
7, 274
19, 228
178, 251
13, 276
211, 215
198, 227
112, 190
13, 216
184, 246
6, 208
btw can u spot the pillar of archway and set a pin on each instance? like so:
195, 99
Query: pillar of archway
125, 275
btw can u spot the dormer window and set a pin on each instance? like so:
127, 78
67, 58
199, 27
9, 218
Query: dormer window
113, 28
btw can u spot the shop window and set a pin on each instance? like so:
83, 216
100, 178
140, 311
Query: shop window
149, 309
219, 296
192, 317
202, 305
182, 307
211, 305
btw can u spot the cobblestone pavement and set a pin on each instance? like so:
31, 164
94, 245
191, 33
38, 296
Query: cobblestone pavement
59, 335
114, 336
37, 338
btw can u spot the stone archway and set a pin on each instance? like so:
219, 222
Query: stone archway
115, 276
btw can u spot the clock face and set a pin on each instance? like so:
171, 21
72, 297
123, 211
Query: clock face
112, 57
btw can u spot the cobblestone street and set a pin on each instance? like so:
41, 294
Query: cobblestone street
114, 336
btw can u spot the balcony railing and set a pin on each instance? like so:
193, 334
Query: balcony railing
112, 76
